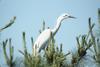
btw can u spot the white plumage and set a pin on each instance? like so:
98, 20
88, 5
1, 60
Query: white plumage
44, 37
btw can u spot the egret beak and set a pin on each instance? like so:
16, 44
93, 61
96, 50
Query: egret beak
72, 17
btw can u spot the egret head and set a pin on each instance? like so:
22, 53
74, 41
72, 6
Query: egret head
64, 16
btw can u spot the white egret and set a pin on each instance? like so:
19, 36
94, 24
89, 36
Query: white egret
44, 37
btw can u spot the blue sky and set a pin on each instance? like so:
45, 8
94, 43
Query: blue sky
31, 13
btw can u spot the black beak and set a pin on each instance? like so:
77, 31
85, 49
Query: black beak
72, 17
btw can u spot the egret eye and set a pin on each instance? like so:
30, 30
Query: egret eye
65, 15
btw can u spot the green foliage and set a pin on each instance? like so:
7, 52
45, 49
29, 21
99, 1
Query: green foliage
8, 24
99, 15
84, 42
8, 58
53, 55
98, 30
96, 42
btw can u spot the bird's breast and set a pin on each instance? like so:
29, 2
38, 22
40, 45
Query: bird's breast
43, 38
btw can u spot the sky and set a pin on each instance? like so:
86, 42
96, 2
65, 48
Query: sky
31, 14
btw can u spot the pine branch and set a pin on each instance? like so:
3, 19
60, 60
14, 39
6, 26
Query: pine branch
8, 24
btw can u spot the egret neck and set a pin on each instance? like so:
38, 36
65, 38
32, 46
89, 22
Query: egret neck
58, 24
